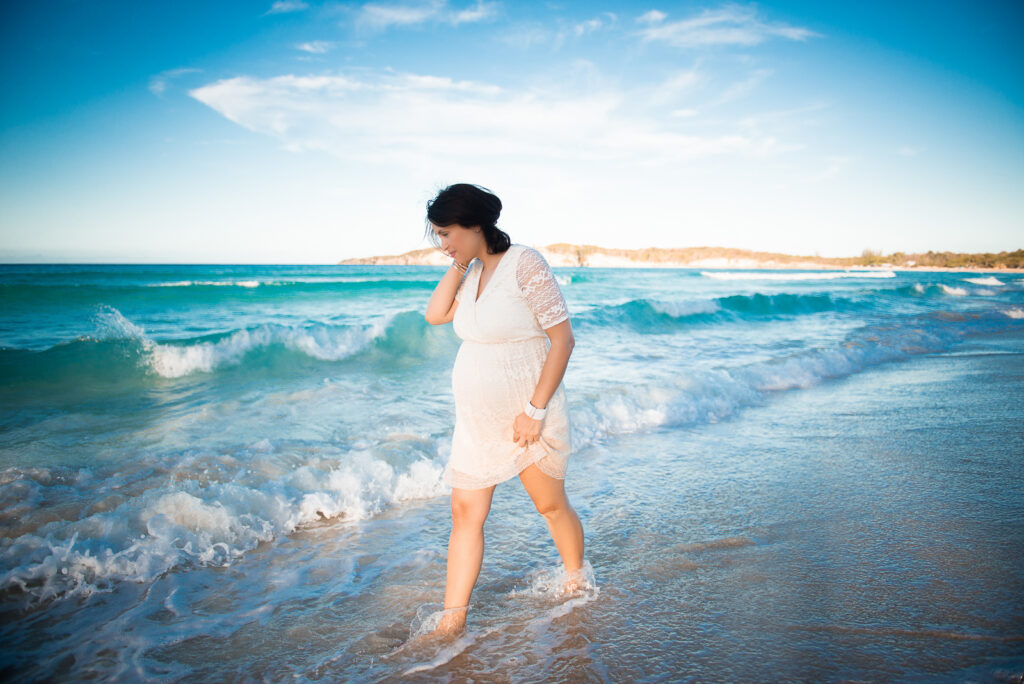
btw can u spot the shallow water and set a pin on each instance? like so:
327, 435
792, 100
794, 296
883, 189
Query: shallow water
785, 477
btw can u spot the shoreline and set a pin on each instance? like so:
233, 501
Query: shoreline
371, 261
710, 258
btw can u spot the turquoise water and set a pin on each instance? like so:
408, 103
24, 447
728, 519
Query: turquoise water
235, 472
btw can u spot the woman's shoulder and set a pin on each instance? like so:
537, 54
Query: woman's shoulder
531, 253
529, 258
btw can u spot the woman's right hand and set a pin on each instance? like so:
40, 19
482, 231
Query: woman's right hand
448, 254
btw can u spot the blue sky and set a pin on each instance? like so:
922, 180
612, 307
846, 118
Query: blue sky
305, 132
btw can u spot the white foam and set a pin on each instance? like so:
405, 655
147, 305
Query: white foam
680, 309
828, 275
221, 283
276, 281
1014, 312
955, 291
199, 521
551, 583
111, 324
327, 343
709, 395
700, 396
991, 280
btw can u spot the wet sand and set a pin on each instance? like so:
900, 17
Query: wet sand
870, 530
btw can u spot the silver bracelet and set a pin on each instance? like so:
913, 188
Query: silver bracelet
534, 412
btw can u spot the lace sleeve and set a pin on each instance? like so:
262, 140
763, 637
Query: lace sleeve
539, 287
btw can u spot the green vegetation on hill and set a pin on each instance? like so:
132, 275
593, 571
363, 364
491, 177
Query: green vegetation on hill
1013, 259
867, 258
657, 255
582, 255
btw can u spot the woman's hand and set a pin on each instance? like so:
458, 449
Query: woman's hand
525, 430
449, 255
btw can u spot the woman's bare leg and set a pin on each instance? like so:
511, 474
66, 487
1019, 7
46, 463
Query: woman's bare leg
465, 553
548, 494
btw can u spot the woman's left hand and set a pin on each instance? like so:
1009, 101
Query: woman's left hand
525, 430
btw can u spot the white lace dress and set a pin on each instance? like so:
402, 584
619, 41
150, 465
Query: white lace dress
497, 368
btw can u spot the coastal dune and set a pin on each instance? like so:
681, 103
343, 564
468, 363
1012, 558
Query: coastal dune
571, 255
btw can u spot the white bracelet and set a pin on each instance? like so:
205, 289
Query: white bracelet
534, 412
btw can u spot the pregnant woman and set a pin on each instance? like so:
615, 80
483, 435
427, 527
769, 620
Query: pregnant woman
511, 415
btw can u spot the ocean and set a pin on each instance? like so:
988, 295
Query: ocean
224, 472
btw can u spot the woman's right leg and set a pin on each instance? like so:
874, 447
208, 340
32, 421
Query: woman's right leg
465, 552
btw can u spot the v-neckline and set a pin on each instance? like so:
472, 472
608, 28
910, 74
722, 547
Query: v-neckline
479, 294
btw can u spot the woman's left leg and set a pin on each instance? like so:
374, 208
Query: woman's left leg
548, 495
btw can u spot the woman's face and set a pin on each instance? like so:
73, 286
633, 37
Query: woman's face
458, 241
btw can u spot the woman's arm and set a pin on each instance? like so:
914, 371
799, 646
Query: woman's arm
526, 430
562, 342
442, 305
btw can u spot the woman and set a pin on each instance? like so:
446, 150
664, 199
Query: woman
511, 415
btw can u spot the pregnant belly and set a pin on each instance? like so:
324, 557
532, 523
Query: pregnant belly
497, 379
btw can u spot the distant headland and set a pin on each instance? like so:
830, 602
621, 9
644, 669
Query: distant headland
565, 254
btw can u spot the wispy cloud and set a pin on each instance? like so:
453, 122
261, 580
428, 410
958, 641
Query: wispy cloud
740, 88
158, 83
407, 118
596, 23
676, 85
315, 47
527, 34
730, 24
755, 121
651, 17
379, 16
481, 12
285, 6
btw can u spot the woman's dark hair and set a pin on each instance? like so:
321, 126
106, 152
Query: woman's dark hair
468, 205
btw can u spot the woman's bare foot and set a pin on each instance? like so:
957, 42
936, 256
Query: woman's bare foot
453, 621
575, 581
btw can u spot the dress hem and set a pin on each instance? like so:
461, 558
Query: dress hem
537, 461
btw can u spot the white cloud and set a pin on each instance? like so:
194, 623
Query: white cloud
381, 16
284, 6
594, 24
651, 17
481, 12
158, 84
729, 25
415, 119
527, 34
315, 47
676, 85
741, 88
